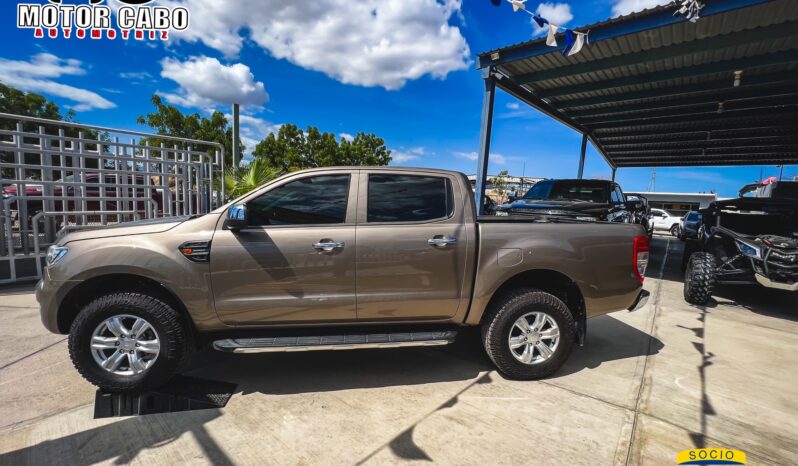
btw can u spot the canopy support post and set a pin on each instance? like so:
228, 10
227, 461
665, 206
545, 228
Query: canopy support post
484, 138
613, 172
582, 156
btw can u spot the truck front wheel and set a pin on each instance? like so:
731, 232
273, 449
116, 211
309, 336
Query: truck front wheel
528, 334
127, 341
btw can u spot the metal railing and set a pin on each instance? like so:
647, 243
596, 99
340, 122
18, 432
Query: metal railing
58, 176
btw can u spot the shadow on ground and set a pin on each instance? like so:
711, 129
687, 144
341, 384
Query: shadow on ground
122, 441
291, 373
758, 299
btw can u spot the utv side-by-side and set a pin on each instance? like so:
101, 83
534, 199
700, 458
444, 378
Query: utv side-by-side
747, 240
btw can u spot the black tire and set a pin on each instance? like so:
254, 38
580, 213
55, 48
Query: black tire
699, 278
499, 321
166, 321
675, 230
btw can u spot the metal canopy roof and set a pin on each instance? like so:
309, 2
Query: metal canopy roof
652, 89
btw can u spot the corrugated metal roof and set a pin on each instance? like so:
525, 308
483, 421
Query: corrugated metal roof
653, 84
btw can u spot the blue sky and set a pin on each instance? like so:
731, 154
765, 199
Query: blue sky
403, 69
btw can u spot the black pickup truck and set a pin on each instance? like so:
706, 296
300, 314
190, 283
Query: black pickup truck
589, 200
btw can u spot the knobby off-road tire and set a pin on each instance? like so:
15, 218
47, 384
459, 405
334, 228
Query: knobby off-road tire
699, 278
499, 323
166, 322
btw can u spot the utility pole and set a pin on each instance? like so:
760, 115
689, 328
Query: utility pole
781, 171
236, 130
652, 182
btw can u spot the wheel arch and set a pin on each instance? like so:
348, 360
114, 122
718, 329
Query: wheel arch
92, 288
549, 281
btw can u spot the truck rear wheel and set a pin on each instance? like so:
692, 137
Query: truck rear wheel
699, 278
127, 341
528, 334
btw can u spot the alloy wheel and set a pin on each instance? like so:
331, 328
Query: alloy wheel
125, 345
534, 338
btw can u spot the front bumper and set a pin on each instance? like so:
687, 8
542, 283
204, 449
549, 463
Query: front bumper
49, 294
765, 281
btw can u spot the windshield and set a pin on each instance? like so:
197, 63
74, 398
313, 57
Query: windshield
568, 191
692, 216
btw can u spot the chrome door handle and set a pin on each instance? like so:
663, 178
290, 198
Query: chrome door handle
441, 240
329, 245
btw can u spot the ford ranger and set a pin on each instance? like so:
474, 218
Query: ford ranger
335, 258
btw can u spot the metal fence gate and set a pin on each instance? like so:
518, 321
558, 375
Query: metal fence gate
59, 176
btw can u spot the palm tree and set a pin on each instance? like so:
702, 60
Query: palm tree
244, 178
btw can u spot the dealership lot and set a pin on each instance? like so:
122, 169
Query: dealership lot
665, 378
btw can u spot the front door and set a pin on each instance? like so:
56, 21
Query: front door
411, 247
296, 261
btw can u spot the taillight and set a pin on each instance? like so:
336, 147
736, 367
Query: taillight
640, 257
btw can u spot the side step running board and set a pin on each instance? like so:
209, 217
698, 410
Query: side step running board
334, 342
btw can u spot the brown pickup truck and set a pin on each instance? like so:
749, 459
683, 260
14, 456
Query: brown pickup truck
336, 258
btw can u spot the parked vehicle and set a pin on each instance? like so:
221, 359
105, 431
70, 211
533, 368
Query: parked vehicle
690, 225
128, 187
589, 200
664, 220
638, 204
744, 241
335, 258
772, 188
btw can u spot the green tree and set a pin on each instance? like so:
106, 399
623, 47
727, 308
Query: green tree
168, 120
31, 104
243, 179
499, 183
293, 149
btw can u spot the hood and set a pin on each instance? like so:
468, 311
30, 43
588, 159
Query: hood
138, 227
582, 207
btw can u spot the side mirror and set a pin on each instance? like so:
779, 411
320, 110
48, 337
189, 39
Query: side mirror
237, 217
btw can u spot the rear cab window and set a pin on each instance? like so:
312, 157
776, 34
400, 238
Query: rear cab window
408, 198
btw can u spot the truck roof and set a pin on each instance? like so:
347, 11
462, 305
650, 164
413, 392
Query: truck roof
378, 168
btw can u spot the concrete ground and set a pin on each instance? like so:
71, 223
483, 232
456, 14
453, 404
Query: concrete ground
648, 384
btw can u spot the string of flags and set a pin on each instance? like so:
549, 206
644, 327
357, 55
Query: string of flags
690, 9
574, 40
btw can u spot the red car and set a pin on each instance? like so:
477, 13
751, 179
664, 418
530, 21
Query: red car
35, 191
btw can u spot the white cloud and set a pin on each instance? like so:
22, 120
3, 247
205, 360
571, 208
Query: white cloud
495, 158
513, 106
624, 7
404, 156
346, 137
368, 43
205, 82
37, 76
556, 13
136, 75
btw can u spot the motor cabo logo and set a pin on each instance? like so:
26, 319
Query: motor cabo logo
133, 19
707, 456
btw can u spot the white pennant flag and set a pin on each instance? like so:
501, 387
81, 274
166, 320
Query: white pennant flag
579, 42
551, 40
518, 4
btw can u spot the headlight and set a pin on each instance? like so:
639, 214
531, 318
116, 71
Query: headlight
55, 254
748, 250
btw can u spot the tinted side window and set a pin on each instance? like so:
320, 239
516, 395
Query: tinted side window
312, 200
408, 198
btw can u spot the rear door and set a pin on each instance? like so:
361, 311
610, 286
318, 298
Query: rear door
296, 261
412, 246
